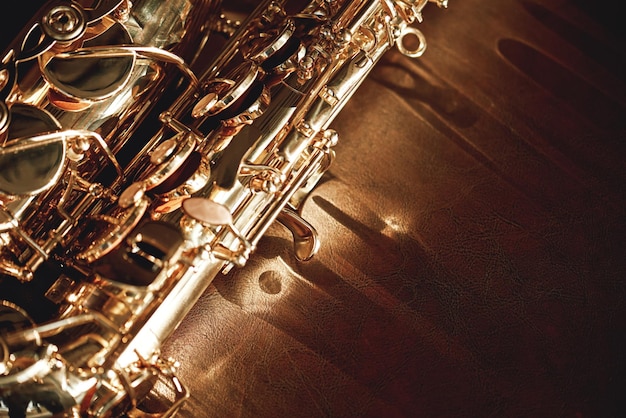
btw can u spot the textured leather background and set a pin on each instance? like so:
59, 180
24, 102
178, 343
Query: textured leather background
473, 226
473, 256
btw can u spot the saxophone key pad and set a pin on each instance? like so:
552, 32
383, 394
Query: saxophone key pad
207, 211
93, 73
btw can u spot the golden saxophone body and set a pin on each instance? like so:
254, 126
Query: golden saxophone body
145, 148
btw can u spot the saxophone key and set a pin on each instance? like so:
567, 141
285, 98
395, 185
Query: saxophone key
110, 229
31, 162
223, 92
306, 242
190, 177
83, 76
167, 159
210, 213
271, 47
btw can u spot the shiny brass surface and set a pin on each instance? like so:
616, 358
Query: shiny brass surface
471, 225
147, 148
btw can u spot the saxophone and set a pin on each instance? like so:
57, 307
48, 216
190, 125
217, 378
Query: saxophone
146, 148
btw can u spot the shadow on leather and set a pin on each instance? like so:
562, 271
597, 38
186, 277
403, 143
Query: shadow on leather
419, 90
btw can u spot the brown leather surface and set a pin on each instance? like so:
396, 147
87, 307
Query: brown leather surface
472, 261
473, 227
